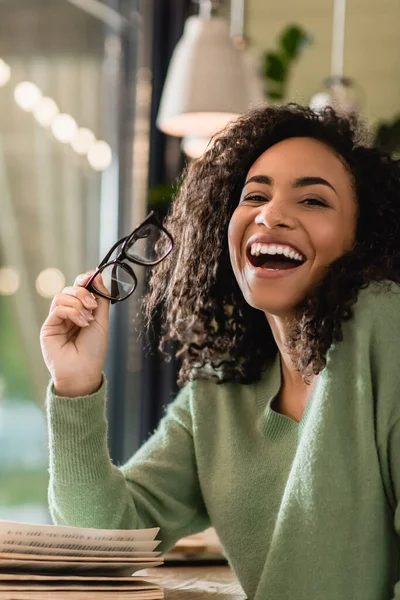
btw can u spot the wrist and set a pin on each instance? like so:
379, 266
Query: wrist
68, 389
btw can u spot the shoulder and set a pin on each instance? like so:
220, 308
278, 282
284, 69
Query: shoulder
374, 330
207, 399
207, 389
374, 342
378, 305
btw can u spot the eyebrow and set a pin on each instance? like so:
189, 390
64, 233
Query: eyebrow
300, 182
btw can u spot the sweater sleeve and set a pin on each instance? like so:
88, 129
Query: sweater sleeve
391, 478
394, 487
157, 487
382, 323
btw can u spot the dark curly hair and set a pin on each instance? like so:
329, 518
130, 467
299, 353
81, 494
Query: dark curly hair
203, 308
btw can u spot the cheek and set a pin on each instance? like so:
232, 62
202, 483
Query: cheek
235, 234
332, 239
236, 231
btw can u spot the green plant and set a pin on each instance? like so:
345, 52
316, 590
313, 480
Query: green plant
277, 64
161, 195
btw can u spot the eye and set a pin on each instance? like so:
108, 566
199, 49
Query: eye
314, 202
255, 198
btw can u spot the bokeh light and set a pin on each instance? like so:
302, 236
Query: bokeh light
27, 95
100, 156
50, 282
9, 280
83, 140
45, 111
64, 128
5, 73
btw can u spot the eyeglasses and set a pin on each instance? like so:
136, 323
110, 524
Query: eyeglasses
147, 245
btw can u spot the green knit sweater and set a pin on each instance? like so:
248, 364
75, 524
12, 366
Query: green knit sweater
305, 511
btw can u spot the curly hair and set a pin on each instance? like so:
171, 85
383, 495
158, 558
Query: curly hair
203, 308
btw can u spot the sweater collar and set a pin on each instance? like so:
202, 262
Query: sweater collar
271, 423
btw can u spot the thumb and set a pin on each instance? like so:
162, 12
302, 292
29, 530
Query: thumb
103, 305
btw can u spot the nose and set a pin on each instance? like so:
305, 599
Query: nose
274, 214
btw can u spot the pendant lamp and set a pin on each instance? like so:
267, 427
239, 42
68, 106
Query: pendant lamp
342, 93
194, 146
209, 82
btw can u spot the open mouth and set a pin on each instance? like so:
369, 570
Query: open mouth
273, 262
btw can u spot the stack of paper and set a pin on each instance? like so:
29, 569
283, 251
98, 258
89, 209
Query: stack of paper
46, 561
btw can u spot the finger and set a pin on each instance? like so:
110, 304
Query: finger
66, 299
98, 283
83, 278
62, 313
83, 295
103, 310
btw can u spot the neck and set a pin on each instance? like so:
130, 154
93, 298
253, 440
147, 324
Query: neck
280, 330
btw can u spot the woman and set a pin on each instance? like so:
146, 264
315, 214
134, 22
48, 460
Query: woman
282, 293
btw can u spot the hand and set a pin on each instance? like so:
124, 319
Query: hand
74, 338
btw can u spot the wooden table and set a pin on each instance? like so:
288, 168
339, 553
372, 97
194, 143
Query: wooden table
198, 583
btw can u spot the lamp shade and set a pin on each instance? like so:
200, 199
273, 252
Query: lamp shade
194, 146
341, 93
209, 81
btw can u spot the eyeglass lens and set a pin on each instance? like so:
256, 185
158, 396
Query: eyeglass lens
117, 280
149, 244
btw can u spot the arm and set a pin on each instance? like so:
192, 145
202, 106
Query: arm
380, 322
392, 474
158, 487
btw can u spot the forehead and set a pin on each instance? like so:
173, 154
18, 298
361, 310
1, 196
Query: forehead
300, 156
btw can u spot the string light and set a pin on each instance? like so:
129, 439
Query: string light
5, 73
45, 111
64, 128
100, 156
27, 95
83, 140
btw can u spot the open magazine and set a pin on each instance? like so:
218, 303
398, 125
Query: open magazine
48, 561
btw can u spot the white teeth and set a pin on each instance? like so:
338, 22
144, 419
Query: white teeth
256, 249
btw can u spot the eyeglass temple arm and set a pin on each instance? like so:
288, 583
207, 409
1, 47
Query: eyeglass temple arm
107, 256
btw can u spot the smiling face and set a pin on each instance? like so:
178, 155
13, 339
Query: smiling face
296, 215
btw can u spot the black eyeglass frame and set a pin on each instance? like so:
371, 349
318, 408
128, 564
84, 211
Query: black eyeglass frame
151, 219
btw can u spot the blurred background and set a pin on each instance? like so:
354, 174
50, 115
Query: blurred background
101, 106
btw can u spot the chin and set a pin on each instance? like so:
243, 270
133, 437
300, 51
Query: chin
274, 302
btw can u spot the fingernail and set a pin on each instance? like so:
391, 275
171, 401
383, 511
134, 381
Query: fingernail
90, 302
83, 278
87, 315
83, 322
